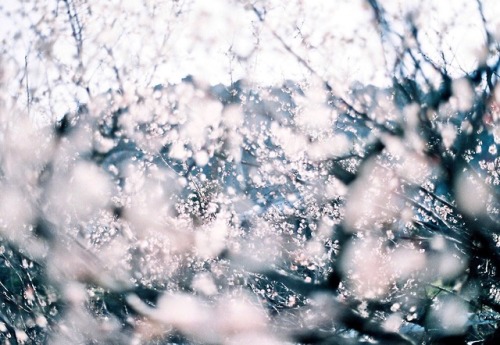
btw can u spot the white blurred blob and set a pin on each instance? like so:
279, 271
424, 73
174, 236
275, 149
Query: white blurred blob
412, 166
149, 206
406, 261
496, 92
472, 194
178, 151
450, 315
254, 338
21, 336
415, 168
493, 149
463, 94
392, 323
203, 115
88, 328
86, 190
75, 293
412, 113
330, 147
395, 146
367, 268
41, 321
238, 316
187, 314
15, 212
115, 256
263, 245
293, 144
211, 240
233, 117
315, 119
234, 320
323, 309
450, 265
438, 242
102, 144
449, 134
314, 248
23, 146
79, 141
373, 190
73, 263
335, 187
201, 158
204, 283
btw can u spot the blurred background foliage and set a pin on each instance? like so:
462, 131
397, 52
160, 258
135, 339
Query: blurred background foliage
249, 172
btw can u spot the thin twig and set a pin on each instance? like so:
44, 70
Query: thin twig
28, 100
76, 27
